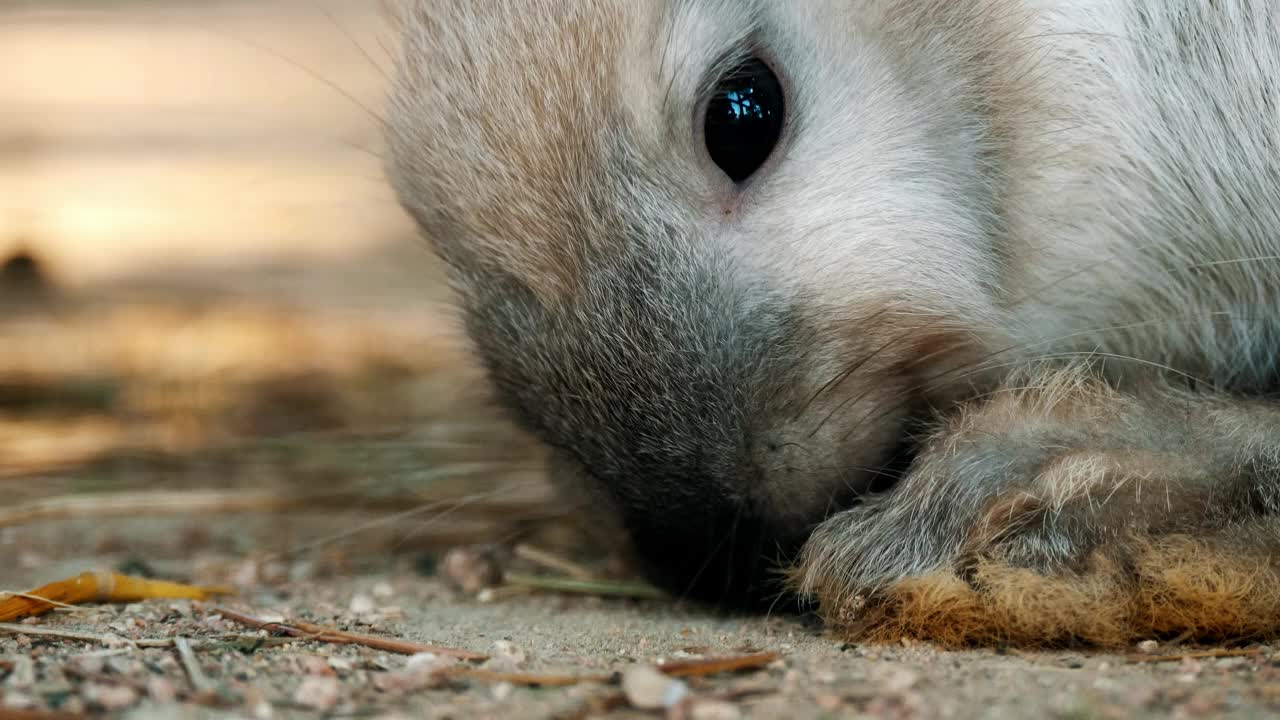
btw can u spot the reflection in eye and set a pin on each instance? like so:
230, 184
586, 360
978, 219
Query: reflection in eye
744, 119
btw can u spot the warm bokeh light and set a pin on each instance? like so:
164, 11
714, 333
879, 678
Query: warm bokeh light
201, 182
140, 135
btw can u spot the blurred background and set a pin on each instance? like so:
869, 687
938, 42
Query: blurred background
211, 307
144, 137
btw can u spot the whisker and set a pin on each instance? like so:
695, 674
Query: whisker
706, 564
324, 9
380, 121
844, 374
381, 522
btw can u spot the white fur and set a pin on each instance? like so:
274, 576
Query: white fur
1112, 206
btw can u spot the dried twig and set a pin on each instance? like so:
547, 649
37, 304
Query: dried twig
16, 714
703, 667
1204, 655
319, 633
528, 679
675, 668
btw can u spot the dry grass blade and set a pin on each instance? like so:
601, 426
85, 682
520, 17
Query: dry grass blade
586, 587
199, 680
552, 561
99, 587
101, 639
1203, 655
319, 633
222, 502
109, 640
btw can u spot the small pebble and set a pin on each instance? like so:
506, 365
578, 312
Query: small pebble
714, 710
1191, 666
501, 691
648, 689
1148, 647
383, 590
500, 664
18, 701
318, 692
408, 681
362, 604
109, 697
777, 706
899, 680
125, 666
273, 573
829, 701
261, 709
791, 680
507, 649
421, 671
246, 574
161, 690
471, 569
90, 664
315, 665
428, 662
302, 570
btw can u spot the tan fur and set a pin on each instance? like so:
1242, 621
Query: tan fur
1179, 586
1175, 564
519, 193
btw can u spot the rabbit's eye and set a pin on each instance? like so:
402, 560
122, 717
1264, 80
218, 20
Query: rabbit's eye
744, 119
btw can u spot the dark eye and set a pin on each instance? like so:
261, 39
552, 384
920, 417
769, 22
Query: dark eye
744, 119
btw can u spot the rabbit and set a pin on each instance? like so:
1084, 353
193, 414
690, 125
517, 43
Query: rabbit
844, 300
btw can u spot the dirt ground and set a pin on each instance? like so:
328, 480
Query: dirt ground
235, 671
228, 366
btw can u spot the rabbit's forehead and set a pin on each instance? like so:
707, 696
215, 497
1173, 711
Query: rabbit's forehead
518, 127
498, 128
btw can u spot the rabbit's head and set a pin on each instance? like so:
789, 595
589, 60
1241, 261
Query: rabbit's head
717, 254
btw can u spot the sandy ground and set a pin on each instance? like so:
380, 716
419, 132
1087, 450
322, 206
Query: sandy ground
238, 312
240, 673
